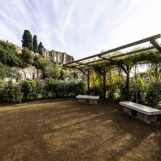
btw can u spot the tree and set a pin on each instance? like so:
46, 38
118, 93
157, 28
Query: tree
27, 40
41, 48
62, 75
26, 57
9, 55
35, 47
48, 68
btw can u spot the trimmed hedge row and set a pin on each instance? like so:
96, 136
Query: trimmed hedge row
28, 90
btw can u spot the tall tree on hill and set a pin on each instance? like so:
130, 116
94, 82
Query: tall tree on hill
35, 47
27, 40
41, 48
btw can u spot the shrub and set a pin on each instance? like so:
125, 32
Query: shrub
151, 95
9, 55
29, 89
48, 68
138, 90
26, 57
58, 89
10, 93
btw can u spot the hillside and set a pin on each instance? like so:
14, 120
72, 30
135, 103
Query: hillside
56, 57
21, 63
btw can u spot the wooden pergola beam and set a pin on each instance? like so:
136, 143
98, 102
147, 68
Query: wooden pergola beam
156, 44
132, 52
119, 63
94, 61
110, 59
120, 48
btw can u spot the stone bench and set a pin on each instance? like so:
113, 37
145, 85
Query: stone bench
145, 113
87, 98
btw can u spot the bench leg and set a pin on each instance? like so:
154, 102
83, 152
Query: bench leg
127, 110
147, 119
82, 100
92, 101
153, 119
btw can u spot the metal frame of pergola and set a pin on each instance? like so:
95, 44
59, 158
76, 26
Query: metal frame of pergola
85, 64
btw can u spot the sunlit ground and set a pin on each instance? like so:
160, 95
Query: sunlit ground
72, 131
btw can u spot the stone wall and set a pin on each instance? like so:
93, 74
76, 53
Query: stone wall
56, 57
60, 58
19, 50
29, 73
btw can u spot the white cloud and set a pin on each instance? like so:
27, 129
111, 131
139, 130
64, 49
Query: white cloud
80, 28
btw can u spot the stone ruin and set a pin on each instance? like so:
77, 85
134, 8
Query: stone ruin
59, 58
56, 57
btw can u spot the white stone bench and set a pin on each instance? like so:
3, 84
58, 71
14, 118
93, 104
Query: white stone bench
89, 99
145, 113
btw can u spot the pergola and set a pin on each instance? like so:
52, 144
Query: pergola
85, 64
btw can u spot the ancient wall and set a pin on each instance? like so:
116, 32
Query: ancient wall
19, 50
29, 73
56, 57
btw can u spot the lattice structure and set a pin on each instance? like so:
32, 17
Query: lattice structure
114, 55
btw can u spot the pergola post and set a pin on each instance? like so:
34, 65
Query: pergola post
88, 81
104, 85
128, 83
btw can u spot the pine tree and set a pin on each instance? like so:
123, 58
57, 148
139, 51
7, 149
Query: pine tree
27, 40
41, 48
35, 47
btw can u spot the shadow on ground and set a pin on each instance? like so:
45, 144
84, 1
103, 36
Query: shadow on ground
72, 131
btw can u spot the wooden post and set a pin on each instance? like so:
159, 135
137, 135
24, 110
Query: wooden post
104, 85
128, 83
136, 87
88, 81
157, 84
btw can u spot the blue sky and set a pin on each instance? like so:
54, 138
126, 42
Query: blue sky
80, 27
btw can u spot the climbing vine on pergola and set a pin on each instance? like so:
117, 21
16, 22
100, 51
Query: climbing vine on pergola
124, 60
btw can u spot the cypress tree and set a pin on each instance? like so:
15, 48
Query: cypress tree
35, 47
41, 48
27, 40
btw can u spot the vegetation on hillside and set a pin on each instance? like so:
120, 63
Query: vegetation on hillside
9, 58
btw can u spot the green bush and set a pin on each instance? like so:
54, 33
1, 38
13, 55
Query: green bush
29, 89
10, 93
9, 55
151, 95
58, 89
48, 68
26, 57
138, 90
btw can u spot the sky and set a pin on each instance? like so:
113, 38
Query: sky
80, 27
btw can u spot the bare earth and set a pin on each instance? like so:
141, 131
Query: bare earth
72, 131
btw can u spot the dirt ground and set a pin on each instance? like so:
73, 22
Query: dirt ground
72, 131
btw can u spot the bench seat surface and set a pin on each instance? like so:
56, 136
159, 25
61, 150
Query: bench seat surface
87, 97
141, 108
